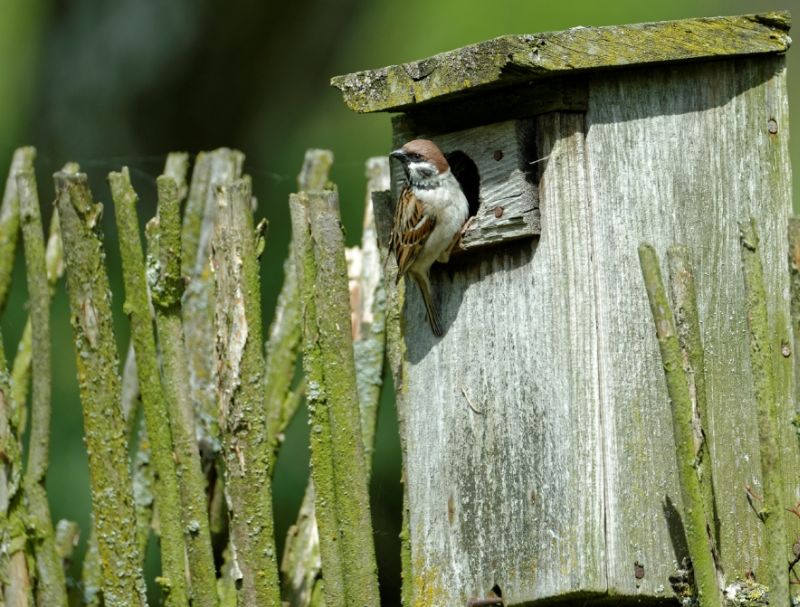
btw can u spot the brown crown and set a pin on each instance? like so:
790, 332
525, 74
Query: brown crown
429, 151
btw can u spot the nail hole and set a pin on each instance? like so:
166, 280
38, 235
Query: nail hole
772, 125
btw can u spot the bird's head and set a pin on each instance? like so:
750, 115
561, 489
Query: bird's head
422, 160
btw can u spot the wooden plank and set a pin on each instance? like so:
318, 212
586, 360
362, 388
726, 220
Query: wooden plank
682, 156
513, 59
524, 100
508, 193
501, 420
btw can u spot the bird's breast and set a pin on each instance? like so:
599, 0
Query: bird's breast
450, 208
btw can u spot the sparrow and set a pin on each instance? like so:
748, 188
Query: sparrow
428, 219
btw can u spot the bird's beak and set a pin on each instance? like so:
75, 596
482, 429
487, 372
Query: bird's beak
399, 154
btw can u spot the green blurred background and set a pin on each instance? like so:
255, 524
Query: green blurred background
122, 83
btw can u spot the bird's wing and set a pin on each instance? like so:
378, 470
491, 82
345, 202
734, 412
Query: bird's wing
411, 229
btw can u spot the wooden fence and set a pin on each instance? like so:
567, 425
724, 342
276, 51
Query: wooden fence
217, 392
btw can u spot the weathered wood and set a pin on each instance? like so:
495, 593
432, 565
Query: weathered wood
794, 272
508, 191
333, 407
322, 469
504, 480
316, 168
99, 383
369, 311
283, 345
765, 388
21, 370
683, 423
154, 405
383, 209
68, 533
166, 285
683, 156
240, 395
12, 467
51, 589
302, 565
16, 584
546, 395
219, 167
684, 300
513, 59
567, 94
9, 219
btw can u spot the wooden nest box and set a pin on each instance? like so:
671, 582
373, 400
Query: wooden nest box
539, 451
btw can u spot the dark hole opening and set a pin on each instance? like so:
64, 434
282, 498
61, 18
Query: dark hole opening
466, 172
532, 164
497, 592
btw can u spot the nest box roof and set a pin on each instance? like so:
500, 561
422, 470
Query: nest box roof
520, 58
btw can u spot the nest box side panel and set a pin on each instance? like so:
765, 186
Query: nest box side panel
503, 464
681, 155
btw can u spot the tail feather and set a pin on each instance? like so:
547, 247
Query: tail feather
430, 308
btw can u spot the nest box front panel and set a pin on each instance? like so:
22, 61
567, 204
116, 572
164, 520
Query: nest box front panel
502, 428
497, 167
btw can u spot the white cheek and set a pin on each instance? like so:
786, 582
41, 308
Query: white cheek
419, 171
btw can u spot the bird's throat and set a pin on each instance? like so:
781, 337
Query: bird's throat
429, 182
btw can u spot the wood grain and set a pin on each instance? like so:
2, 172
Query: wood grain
504, 477
508, 194
539, 443
682, 156
509, 60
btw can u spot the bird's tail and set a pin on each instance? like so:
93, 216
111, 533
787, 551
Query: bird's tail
433, 316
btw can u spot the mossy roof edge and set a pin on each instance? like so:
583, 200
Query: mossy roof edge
518, 58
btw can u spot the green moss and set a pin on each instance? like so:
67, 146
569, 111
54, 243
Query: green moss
337, 455
50, 573
9, 219
137, 306
315, 171
166, 284
322, 472
339, 375
508, 59
99, 384
222, 166
427, 585
762, 355
240, 364
694, 517
687, 321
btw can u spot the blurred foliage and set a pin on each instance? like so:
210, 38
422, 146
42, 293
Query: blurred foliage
20, 41
122, 83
